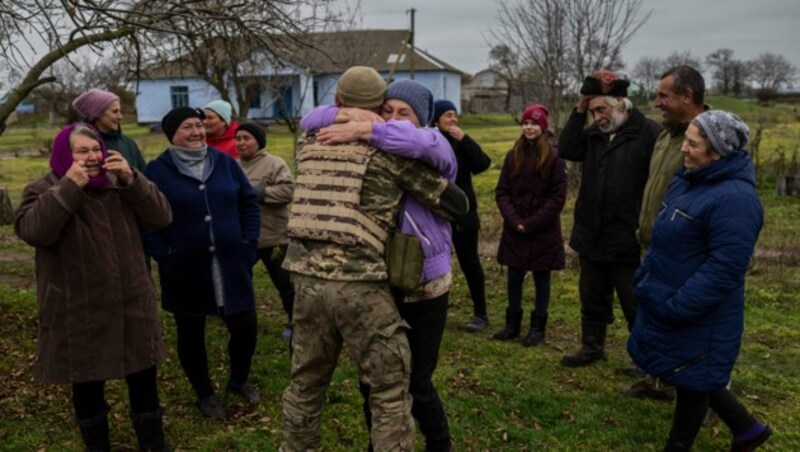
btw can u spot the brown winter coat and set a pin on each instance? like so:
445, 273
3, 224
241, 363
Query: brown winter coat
536, 202
272, 182
97, 306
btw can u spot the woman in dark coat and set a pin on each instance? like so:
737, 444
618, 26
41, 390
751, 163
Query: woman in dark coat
205, 258
98, 315
531, 194
471, 160
690, 287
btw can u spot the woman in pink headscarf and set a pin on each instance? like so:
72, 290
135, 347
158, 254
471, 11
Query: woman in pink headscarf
97, 307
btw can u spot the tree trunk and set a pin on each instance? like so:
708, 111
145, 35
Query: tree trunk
33, 80
788, 185
6, 211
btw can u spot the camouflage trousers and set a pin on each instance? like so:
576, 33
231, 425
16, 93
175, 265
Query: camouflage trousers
363, 317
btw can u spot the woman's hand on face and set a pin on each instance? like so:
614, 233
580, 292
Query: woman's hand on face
78, 174
456, 132
117, 164
345, 133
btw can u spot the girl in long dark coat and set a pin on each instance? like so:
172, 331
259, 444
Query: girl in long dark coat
530, 195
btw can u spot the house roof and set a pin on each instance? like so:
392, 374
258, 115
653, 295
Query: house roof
333, 52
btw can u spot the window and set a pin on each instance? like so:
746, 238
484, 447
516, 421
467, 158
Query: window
254, 96
179, 96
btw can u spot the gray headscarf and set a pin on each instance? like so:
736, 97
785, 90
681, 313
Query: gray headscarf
726, 132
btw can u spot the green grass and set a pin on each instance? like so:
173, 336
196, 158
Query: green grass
498, 396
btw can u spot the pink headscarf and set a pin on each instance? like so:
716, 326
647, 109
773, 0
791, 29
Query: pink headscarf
61, 157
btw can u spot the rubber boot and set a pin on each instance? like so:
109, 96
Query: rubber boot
149, 430
513, 324
593, 338
94, 432
536, 333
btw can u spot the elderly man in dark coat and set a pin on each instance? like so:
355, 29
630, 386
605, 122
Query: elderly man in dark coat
615, 151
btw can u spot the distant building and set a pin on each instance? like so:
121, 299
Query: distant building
26, 107
305, 78
490, 92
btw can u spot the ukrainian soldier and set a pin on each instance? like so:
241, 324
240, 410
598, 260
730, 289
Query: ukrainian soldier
345, 207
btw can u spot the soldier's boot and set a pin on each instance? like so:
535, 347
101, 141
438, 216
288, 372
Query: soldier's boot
536, 333
593, 338
149, 430
94, 431
513, 324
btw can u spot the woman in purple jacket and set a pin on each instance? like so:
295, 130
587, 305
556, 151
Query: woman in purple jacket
530, 194
409, 106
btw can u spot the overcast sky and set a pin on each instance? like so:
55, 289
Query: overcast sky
456, 31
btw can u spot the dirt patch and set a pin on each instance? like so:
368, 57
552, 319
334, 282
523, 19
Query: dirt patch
18, 282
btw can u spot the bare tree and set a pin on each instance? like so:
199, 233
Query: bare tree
597, 32
505, 62
772, 72
647, 72
729, 73
683, 59
740, 73
144, 25
561, 41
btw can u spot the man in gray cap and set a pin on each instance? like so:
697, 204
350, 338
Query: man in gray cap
345, 204
615, 152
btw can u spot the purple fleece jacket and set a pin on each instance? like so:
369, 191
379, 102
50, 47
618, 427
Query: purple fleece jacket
402, 138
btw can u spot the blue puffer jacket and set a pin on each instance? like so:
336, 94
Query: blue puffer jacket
690, 286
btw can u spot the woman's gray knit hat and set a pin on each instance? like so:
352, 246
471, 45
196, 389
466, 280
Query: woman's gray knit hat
726, 132
414, 94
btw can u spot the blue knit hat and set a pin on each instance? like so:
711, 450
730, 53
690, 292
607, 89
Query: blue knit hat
417, 96
222, 109
441, 107
726, 132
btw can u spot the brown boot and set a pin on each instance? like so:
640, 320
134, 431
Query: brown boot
593, 338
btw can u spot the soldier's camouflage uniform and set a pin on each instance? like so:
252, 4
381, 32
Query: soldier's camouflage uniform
346, 203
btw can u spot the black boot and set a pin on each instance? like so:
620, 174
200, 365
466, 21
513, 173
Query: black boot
513, 323
150, 431
94, 432
536, 333
593, 338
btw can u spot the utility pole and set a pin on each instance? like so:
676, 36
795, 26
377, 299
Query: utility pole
411, 11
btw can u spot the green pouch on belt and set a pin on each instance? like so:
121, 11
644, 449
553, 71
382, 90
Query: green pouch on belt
404, 259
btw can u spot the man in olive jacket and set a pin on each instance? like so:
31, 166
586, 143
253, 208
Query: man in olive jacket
615, 151
679, 97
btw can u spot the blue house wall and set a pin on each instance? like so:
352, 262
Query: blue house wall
443, 85
156, 96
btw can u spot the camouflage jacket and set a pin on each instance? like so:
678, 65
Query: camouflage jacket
386, 179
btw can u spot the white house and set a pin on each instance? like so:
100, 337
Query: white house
306, 78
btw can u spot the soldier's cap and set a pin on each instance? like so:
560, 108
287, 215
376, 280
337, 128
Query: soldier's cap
361, 87
605, 83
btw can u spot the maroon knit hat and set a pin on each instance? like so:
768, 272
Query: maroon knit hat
537, 113
93, 103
